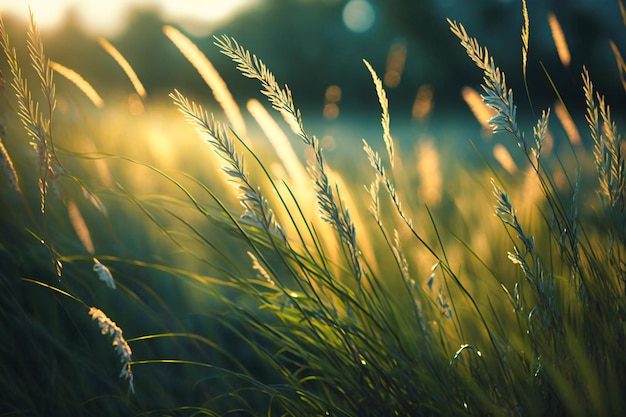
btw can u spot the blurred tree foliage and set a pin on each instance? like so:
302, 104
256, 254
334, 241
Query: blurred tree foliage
307, 46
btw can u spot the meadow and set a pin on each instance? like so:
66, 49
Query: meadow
187, 256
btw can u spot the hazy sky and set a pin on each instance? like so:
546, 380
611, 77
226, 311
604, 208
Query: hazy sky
105, 17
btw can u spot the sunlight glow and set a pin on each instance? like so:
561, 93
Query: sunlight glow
108, 18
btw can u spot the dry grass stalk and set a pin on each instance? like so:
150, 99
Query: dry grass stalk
257, 209
384, 105
504, 158
568, 124
210, 76
35, 122
328, 197
281, 144
108, 326
395, 64
299, 179
497, 95
103, 273
480, 110
366, 244
7, 165
261, 270
559, 40
429, 168
123, 63
423, 104
80, 227
525, 37
79, 82
621, 65
607, 150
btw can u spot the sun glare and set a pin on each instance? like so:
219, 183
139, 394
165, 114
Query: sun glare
359, 16
101, 18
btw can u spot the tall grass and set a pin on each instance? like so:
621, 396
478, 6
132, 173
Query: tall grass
309, 303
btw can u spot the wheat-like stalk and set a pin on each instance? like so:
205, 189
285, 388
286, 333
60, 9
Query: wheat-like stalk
497, 95
608, 153
377, 163
257, 209
384, 105
252, 67
37, 125
328, 196
525, 37
540, 133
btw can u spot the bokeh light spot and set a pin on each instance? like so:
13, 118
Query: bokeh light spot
359, 16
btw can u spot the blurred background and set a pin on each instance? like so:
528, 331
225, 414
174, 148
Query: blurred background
313, 44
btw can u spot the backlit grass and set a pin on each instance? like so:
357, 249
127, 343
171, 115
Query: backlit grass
157, 260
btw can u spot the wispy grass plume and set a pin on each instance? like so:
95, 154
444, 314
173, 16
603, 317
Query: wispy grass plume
568, 124
559, 40
123, 63
496, 93
328, 195
424, 103
80, 227
525, 39
108, 327
607, 149
504, 158
621, 65
8, 168
104, 274
480, 110
384, 105
79, 82
210, 76
257, 209
429, 169
36, 123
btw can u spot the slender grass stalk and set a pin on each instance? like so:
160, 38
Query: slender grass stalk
37, 125
80, 82
123, 63
384, 105
559, 40
80, 226
328, 197
210, 76
389, 321
8, 168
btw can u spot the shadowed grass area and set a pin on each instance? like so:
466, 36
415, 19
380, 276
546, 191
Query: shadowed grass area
237, 276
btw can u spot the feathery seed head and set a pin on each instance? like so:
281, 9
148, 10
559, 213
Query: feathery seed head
103, 273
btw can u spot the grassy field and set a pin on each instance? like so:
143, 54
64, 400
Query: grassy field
158, 258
